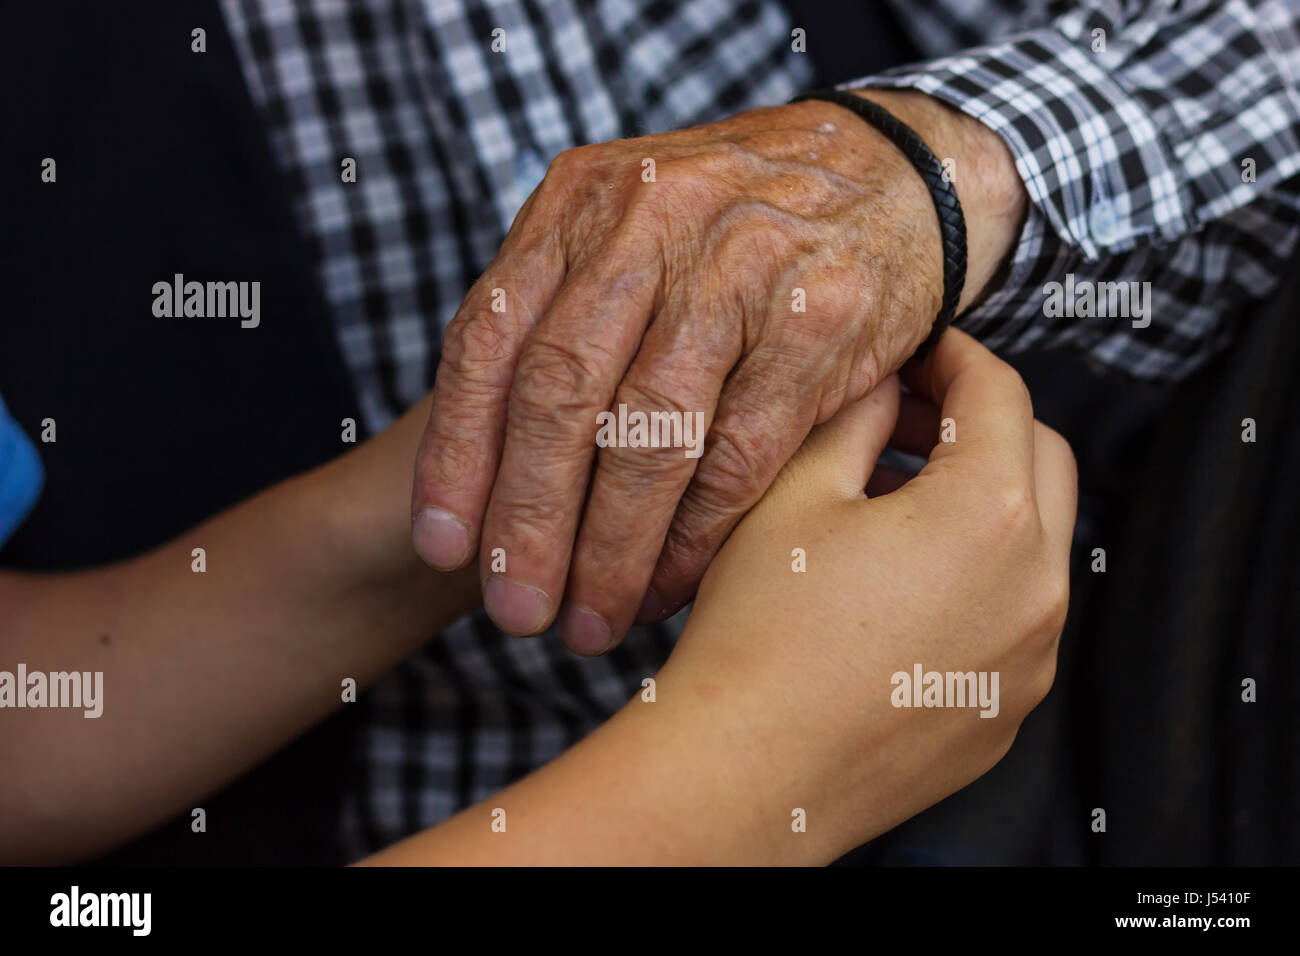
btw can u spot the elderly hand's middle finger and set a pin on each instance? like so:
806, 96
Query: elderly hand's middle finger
566, 375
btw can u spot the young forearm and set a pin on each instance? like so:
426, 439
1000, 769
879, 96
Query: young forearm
205, 674
689, 779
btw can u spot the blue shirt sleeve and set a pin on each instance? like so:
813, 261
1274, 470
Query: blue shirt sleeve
21, 475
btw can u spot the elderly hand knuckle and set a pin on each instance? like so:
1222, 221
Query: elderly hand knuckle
738, 462
567, 166
474, 343
647, 473
662, 389
554, 377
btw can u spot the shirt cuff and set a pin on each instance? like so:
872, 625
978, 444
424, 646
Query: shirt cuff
1099, 172
1093, 160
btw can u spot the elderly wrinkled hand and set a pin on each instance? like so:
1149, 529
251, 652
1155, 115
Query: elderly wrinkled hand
666, 321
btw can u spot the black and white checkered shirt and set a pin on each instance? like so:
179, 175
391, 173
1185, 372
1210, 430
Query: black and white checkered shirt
1159, 141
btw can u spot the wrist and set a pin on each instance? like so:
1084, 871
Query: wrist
993, 197
752, 762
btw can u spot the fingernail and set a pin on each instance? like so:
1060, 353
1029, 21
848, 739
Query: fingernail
441, 539
652, 608
517, 608
584, 631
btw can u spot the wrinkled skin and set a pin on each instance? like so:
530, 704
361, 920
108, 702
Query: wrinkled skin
780, 264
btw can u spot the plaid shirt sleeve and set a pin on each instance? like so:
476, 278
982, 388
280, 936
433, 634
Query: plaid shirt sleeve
1159, 143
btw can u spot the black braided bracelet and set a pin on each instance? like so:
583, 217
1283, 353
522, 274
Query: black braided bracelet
952, 224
